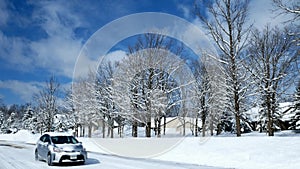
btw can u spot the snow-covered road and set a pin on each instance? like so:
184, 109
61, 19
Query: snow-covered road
14, 155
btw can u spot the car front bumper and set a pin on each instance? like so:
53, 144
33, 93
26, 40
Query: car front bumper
58, 157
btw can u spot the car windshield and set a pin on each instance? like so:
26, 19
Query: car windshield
64, 140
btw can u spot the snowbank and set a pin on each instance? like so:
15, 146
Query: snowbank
24, 136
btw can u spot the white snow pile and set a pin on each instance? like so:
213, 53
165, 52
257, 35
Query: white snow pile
24, 136
251, 151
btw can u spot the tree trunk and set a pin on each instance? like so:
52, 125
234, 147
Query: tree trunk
103, 127
121, 131
134, 129
211, 125
236, 97
148, 128
270, 117
203, 126
76, 130
238, 125
110, 128
219, 129
196, 126
90, 130
234, 71
159, 127
183, 127
155, 127
112, 132
165, 124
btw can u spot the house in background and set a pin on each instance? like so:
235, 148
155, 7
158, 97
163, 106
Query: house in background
180, 126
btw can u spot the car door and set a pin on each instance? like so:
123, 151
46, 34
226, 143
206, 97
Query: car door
44, 146
40, 146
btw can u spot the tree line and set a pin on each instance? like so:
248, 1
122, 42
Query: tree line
255, 68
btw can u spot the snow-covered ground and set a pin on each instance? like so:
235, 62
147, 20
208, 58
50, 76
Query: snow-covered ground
248, 152
251, 151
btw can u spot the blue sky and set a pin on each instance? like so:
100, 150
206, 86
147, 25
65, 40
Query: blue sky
43, 38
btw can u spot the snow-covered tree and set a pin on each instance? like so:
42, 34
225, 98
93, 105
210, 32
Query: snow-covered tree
145, 78
202, 96
11, 123
297, 96
3, 117
46, 101
104, 95
295, 121
29, 120
273, 57
225, 21
211, 96
63, 121
2, 120
289, 7
85, 102
146, 91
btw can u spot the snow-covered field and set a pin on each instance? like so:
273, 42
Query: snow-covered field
251, 151
248, 152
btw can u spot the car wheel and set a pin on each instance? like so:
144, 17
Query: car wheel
81, 162
36, 156
49, 160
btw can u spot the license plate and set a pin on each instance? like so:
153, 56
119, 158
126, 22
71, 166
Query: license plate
73, 157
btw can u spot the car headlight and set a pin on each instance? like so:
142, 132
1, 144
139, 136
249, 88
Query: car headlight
58, 150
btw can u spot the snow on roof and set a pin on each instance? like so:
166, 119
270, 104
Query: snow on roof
253, 113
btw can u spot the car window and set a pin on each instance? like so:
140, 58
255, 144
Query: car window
42, 138
47, 139
64, 140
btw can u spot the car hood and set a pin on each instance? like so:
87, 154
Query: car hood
70, 147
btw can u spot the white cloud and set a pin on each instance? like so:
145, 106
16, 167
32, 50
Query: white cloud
115, 56
262, 13
25, 90
3, 13
185, 10
56, 53
14, 50
59, 51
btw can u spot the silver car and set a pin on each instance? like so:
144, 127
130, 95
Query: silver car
60, 147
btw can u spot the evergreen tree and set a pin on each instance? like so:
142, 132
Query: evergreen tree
29, 119
295, 122
11, 122
297, 97
1, 121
